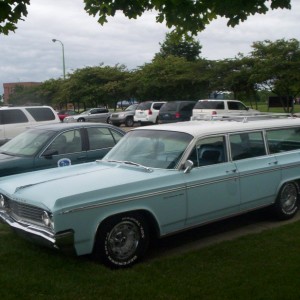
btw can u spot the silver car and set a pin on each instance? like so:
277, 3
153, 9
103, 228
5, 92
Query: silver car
124, 117
92, 115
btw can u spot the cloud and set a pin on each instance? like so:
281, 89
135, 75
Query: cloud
30, 55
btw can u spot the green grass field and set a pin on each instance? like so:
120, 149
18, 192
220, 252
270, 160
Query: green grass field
258, 266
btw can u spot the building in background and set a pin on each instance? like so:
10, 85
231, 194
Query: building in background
9, 89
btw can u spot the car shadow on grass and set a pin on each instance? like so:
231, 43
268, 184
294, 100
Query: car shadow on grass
210, 234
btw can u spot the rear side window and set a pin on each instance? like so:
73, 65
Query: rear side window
170, 106
12, 116
188, 107
233, 105
144, 106
100, 138
281, 140
157, 106
246, 145
209, 105
41, 113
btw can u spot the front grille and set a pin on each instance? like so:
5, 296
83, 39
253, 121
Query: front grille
25, 211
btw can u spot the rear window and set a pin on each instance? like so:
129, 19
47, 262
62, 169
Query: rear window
41, 113
12, 116
144, 105
209, 105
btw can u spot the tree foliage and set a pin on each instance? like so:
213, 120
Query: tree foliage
181, 46
276, 66
187, 16
11, 11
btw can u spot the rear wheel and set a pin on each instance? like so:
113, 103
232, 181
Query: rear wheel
129, 122
287, 204
122, 240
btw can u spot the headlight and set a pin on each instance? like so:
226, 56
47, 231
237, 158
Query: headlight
2, 201
121, 115
47, 220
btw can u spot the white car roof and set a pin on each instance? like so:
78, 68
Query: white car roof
208, 127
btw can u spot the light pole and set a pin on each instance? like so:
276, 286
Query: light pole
63, 55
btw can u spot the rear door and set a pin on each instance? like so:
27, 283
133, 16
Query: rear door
259, 173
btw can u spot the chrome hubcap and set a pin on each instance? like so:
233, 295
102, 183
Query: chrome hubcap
123, 240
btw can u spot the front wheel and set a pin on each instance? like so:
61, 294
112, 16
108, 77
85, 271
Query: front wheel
287, 204
81, 120
122, 240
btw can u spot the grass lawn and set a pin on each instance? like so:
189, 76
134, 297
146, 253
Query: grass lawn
257, 266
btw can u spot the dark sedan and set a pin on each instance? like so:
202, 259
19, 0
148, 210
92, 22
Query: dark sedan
49, 146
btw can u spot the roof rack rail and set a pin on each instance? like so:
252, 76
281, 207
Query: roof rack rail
242, 117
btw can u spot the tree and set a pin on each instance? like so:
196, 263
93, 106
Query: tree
11, 11
233, 75
187, 16
95, 86
276, 67
180, 46
171, 78
29, 95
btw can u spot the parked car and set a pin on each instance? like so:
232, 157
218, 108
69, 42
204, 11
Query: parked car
176, 111
147, 112
92, 115
214, 107
158, 181
14, 120
124, 117
66, 113
54, 145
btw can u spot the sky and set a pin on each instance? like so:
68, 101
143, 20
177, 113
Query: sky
30, 55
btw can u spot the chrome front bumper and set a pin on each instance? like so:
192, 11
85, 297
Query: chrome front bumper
63, 241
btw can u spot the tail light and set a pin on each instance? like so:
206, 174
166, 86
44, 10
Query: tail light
177, 115
213, 112
149, 112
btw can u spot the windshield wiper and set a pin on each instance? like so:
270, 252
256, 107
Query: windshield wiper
131, 163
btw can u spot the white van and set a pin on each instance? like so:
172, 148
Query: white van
215, 107
14, 120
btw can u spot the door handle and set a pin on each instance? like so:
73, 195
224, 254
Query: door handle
231, 171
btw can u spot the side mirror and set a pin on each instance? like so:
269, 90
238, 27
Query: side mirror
188, 166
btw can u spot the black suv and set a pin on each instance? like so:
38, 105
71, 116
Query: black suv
176, 111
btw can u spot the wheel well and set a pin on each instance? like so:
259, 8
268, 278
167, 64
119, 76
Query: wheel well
151, 221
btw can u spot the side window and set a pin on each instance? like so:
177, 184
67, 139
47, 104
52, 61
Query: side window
100, 138
246, 145
232, 105
208, 151
157, 106
67, 142
41, 113
13, 116
116, 135
281, 140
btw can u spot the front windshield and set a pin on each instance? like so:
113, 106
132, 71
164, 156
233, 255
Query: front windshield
28, 143
131, 107
151, 148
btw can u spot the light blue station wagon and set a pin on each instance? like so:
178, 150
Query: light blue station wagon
158, 180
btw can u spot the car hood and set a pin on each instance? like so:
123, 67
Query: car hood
5, 157
70, 187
